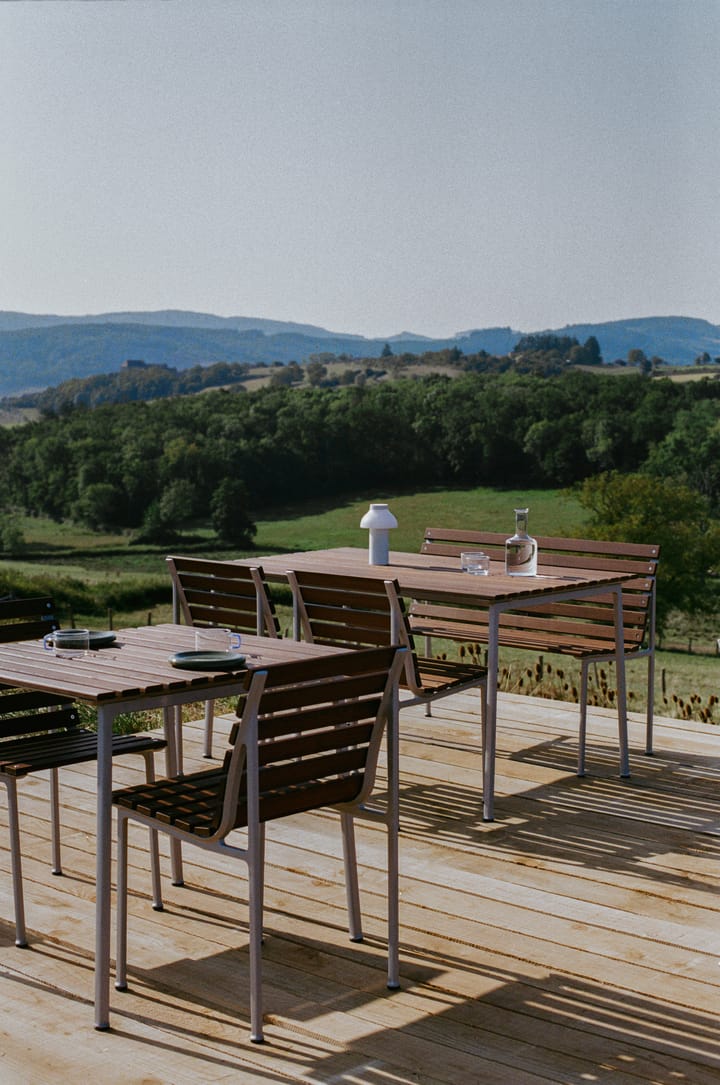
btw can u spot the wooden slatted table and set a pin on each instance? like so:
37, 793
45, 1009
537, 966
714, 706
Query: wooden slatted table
132, 675
440, 579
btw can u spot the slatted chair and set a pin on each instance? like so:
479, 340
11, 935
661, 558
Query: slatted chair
210, 593
357, 611
42, 732
307, 737
581, 628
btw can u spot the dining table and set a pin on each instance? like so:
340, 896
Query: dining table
132, 674
440, 578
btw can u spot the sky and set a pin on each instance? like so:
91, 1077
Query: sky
370, 166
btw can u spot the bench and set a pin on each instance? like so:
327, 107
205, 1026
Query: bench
581, 628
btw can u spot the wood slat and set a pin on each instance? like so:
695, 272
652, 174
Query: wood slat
221, 593
577, 627
26, 618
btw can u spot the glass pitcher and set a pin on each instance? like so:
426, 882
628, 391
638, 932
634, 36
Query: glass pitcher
521, 548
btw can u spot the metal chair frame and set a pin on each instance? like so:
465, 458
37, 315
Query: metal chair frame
307, 737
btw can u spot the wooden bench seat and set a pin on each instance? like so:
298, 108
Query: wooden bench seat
581, 628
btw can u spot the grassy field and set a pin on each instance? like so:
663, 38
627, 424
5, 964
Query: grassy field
90, 574
68, 549
104, 579
483, 509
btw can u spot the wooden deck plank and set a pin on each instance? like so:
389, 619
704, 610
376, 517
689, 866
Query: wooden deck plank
577, 937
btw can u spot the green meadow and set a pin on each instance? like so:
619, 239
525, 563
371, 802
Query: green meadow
102, 580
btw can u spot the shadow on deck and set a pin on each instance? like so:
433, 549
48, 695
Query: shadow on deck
574, 939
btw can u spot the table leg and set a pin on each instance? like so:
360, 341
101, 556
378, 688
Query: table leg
393, 829
621, 686
172, 717
170, 733
102, 877
491, 715
179, 754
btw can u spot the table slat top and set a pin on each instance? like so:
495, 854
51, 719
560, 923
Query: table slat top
137, 666
416, 573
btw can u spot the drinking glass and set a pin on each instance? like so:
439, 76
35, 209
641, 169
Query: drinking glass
216, 640
476, 562
68, 643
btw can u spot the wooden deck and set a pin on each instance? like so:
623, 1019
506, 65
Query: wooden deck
575, 939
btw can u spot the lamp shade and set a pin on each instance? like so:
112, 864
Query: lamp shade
379, 517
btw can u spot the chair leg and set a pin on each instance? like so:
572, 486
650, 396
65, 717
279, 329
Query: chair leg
55, 820
261, 845
14, 831
393, 891
256, 875
352, 890
209, 719
157, 901
582, 733
122, 895
393, 830
650, 704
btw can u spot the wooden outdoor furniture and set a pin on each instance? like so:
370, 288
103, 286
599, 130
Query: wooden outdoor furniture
307, 737
41, 731
362, 612
210, 593
439, 578
583, 628
135, 675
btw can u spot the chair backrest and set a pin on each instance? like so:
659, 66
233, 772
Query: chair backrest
221, 593
307, 736
25, 712
351, 612
556, 554
26, 619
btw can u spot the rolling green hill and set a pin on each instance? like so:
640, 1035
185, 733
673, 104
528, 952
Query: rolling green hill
41, 350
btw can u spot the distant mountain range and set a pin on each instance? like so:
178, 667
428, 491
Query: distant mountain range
37, 351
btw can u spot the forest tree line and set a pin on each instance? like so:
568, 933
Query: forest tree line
107, 467
130, 384
644, 453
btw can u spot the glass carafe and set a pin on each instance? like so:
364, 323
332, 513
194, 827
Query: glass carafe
521, 548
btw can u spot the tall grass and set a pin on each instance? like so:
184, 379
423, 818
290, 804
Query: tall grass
685, 687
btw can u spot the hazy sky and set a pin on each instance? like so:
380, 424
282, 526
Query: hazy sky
369, 166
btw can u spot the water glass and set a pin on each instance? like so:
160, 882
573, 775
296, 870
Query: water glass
68, 643
216, 640
475, 562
